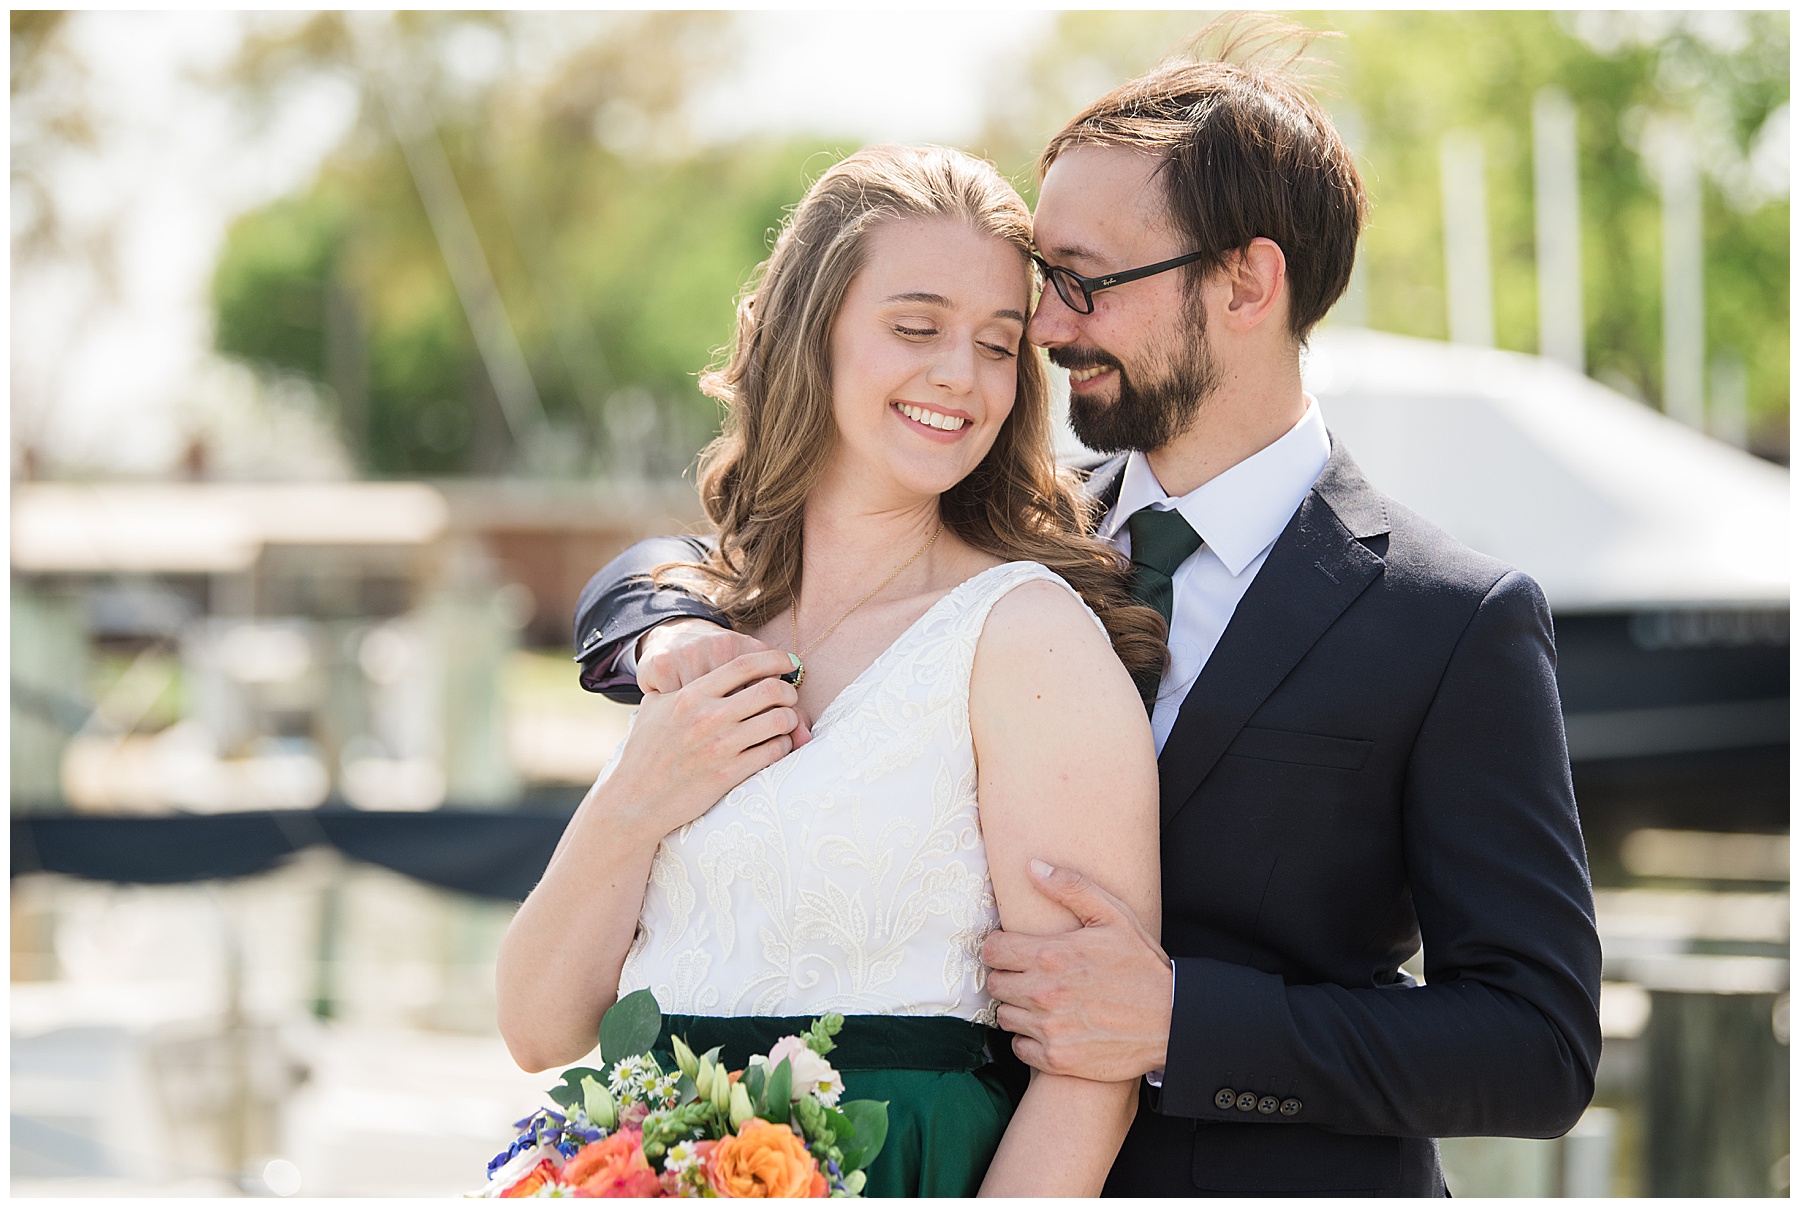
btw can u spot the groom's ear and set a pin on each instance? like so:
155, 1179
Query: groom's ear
1257, 276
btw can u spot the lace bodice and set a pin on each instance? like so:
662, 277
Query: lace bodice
849, 876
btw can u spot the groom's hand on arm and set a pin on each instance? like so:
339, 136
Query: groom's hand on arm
1092, 1003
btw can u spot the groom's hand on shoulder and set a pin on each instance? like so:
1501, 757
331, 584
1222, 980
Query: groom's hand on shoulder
1092, 1003
676, 653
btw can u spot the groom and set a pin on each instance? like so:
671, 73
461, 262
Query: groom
1359, 736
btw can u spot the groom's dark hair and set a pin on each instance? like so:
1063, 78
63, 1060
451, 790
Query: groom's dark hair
1247, 153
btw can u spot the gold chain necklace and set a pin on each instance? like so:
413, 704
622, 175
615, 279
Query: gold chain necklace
798, 675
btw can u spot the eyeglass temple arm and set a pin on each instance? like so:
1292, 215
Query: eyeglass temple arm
1135, 274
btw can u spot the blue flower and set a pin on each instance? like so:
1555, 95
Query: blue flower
503, 1157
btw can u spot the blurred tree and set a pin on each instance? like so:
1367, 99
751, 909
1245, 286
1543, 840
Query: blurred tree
50, 111
53, 122
270, 285
612, 244
1396, 82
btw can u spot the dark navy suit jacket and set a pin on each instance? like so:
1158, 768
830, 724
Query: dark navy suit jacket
1373, 758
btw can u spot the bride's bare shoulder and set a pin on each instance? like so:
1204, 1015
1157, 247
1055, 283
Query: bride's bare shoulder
1040, 630
1041, 601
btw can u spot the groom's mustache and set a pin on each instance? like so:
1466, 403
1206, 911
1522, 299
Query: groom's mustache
1084, 358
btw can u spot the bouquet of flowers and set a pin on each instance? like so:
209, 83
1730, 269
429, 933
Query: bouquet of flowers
633, 1129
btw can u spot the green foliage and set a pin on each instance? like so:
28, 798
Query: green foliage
755, 1081
646, 269
774, 1104
663, 1129
269, 290
570, 1092
868, 1121
629, 1028
819, 1037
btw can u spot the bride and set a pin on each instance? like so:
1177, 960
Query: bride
888, 511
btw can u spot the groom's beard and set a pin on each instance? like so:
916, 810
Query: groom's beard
1145, 414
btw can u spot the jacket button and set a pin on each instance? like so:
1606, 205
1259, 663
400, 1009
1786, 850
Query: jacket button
1224, 1099
1290, 1107
1246, 1102
1267, 1105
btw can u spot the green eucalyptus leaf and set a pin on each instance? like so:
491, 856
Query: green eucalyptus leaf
630, 1027
870, 1121
685, 1091
568, 1094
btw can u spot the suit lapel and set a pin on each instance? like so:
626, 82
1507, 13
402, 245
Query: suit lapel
1315, 569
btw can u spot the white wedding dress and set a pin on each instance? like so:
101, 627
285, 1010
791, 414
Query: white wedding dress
851, 875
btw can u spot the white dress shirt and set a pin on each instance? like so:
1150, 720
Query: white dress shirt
1238, 515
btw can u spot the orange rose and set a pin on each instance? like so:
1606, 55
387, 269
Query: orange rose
611, 1168
764, 1161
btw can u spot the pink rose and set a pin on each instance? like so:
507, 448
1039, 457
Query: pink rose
812, 1073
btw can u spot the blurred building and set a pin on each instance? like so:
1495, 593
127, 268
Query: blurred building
281, 645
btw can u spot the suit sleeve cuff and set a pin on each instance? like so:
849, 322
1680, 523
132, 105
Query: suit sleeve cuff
607, 658
1222, 1037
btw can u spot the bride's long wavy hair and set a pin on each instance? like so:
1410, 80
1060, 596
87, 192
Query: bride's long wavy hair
778, 432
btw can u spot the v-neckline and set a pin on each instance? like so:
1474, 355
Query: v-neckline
830, 711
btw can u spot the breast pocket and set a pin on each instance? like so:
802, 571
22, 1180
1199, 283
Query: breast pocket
1295, 746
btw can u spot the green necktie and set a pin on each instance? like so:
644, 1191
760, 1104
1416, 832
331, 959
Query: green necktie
1160, 542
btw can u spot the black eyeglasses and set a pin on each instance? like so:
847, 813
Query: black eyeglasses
1077, 292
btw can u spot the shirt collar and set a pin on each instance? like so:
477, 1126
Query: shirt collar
1241, 512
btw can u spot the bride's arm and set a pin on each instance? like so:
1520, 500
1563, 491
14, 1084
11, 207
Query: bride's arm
1067, 775
558, 966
